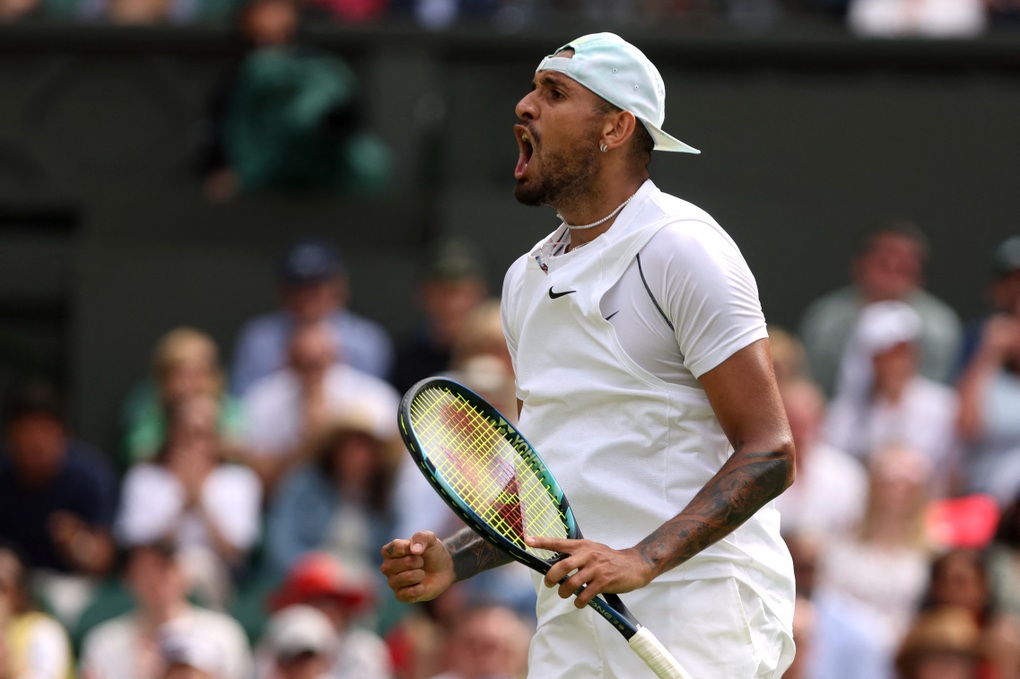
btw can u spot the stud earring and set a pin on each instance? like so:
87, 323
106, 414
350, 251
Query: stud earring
603, 148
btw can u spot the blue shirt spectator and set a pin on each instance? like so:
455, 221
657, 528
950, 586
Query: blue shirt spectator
313, 288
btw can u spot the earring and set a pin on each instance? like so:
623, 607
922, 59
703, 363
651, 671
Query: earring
603, 148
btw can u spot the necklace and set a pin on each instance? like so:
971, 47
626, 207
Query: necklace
574, 227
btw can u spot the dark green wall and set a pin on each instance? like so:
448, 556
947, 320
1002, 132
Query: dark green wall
808, 140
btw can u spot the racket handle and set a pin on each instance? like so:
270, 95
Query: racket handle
656, 656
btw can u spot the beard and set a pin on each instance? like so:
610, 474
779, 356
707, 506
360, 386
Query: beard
566, 177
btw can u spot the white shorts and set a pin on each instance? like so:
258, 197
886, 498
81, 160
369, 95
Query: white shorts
717, 628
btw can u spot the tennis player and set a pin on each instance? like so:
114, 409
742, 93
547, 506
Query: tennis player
645, 379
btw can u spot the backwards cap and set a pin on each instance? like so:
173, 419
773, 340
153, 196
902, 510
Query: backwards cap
621, 74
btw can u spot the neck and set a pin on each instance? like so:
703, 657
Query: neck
602, 195
155, 617
590, 217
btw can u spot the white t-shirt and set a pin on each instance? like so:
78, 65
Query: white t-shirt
829, 495
614, 406
152, 506
115, 650
273, 406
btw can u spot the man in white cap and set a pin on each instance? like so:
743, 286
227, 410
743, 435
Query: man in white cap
645, 380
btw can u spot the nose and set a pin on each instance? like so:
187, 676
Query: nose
525, 108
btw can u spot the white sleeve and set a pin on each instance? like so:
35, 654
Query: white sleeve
706, 289
233, 498
151, 502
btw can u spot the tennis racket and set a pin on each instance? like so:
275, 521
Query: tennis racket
489, 474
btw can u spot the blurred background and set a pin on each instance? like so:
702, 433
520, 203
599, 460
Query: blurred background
814, 129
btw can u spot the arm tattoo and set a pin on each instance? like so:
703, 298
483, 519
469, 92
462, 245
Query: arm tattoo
473, 554
742, 486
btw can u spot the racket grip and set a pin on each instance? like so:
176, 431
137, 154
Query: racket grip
656, 656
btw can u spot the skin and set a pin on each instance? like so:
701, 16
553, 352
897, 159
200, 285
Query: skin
559, 117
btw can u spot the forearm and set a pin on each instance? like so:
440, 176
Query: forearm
472, 554
741, 487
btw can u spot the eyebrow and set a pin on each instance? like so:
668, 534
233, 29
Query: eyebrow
553, 80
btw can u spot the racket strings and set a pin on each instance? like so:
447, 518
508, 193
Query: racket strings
476, 460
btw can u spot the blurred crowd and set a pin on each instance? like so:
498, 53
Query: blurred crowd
235, 532
871, 18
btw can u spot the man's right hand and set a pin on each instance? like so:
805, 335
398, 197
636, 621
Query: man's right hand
419, 569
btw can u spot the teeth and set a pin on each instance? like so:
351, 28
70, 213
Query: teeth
525, 137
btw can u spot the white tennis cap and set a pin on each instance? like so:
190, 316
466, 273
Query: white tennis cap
621, 74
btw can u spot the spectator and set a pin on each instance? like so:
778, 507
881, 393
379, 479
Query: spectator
789, 360
1004, 560
478, 359
943, 643
188, 655
33, 645
291, 118
831, 489
453, 286
884, 566
128, 647
339, 501
881, 399
314, 288
343, 595
487, 642
189, 495
301, 643
19, 10
288, 410
1003, 294
917, 18
57, 499
888, 268
959, 579
185, 363
838, 637
989, 389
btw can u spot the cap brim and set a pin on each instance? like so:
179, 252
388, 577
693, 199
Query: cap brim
665, 142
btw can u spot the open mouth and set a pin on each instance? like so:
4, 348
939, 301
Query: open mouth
526, 144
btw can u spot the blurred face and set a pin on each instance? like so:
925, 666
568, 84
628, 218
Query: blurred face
189, 378
484, 645
270, 22
303, 666
449, 302
37, 444
960, 581
805, 410
356, 460
312, 352
899, 478
895, 366
890, 269
155, 580
192, 437
558, 138
312, 302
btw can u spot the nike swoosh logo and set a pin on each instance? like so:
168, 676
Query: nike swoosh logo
557, 295
612, 314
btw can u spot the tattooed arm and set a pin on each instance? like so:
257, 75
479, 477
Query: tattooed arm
472, 554
746, 401
422, 568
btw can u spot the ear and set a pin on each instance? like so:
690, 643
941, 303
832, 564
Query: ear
618, 128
